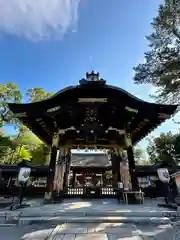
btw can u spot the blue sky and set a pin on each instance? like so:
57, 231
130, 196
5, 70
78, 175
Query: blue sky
52, 46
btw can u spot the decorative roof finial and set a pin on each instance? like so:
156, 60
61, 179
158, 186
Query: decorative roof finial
92, 77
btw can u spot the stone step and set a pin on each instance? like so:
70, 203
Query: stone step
14, 215
121, 213
110, 219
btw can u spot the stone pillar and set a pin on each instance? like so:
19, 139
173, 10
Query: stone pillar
51, 170
132, 168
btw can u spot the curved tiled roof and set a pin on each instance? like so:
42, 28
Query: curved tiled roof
64, 110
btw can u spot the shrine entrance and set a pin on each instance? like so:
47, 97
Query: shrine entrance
92, 177
92, 115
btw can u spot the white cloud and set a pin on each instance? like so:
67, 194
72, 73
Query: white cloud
38, 19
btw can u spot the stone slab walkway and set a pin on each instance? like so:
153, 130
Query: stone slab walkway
96, 230
94, 237
101, 232
88, 231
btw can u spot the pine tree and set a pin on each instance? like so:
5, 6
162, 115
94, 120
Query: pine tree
162, 62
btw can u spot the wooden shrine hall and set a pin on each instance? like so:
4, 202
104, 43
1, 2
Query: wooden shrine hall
91, 115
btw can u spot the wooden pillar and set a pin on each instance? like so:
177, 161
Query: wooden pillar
119, 164
103, 179
58, 175
51, 169
67, 170
83, 178
113, 163
60, 169
132, 167
115, 160
74, 179
124, 170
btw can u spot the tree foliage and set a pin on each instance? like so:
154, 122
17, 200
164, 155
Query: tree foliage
165, 147
9, 92
23, 153
162, 62
41, 154
37, 94
25, 144
5, 147
140, 156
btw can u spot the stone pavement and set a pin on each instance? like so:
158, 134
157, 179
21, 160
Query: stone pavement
5, 202
85, 225
87, 231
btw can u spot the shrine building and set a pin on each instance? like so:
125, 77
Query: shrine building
91, 115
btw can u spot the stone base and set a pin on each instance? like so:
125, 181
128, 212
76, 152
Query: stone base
48, 198
178, 200
52, 198
171, 206
133, 200
48, 201
19, 206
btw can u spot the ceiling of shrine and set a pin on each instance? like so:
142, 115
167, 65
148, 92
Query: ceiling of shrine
89, 159
92, 112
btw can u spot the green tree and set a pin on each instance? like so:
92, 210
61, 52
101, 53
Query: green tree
166, 148
28, 138
6, 146
23, 153
31, 146
41, 154
25, 144
37, 94
138, 154
162, 62
9, 92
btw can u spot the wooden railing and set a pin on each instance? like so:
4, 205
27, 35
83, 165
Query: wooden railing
90, 192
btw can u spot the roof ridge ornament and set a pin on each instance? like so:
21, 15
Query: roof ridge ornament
91, 78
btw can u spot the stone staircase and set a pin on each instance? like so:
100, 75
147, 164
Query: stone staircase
104, 211
95, 217
83, 216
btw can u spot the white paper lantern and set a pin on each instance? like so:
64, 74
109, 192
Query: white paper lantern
24, 174
120, 185
163, 175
